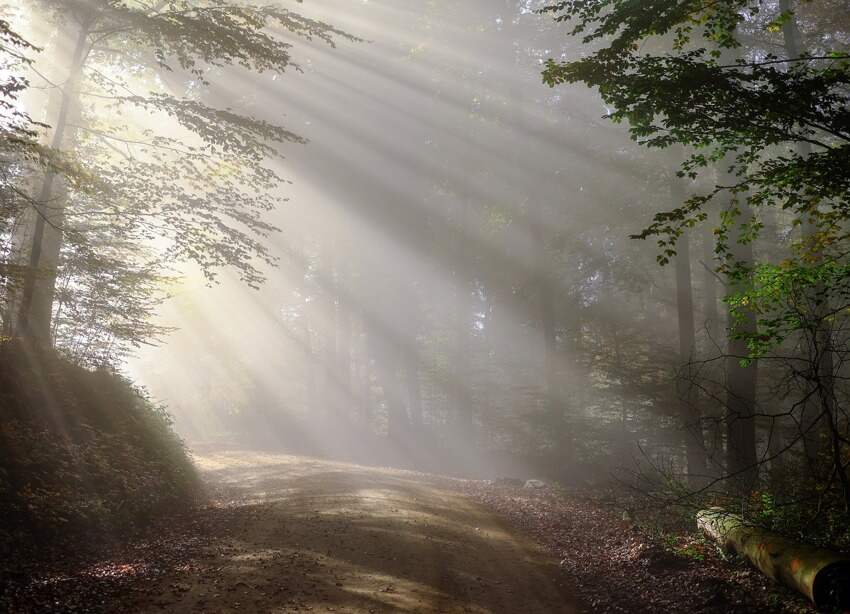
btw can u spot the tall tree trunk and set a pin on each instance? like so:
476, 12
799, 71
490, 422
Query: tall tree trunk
819, 410
414, 388
711, 316
388, 359
546, 314
35, 306
327, 327
691, 414
343, 326
364, 373
311, 400
741, 458
460, 397
713, 346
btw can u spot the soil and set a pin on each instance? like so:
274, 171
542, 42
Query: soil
294, 534
289, 534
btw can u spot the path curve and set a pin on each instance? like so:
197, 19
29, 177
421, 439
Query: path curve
318, 536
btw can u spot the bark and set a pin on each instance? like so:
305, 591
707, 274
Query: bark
343, 326
35, 305
312, 400
364, 374
818, 412
546, 299
328, 328
414, 388
410, 360
550, 347
742, 465
460, 398
741, 458
691, 414
791, 31
821, 575
713, 341
775, 448
710, 315
538, 217
388, 360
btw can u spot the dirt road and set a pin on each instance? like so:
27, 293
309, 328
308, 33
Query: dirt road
317, 536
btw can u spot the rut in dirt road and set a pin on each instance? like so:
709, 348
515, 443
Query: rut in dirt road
329, 537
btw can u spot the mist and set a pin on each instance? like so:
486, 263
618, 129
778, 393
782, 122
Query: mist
565, 284
442, 261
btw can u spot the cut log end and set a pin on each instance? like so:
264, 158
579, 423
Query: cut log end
831, 587
821, 575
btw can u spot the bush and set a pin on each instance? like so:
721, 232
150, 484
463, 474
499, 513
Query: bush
82, 452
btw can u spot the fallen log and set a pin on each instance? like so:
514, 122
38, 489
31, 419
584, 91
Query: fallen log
821, 575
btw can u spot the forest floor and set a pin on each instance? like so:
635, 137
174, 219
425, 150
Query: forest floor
290, 534
293, 534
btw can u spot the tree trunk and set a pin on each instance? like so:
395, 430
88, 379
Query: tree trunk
711, 316
819, 410
343, 326
414, 388
546, 297
364, 373
311, 402
741, 460
35, 306
712, 347
691, 414
821, 575
328, 328
460, 397
388, 359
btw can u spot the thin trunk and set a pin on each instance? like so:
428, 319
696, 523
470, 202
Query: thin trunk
741, 459
459, 386
625, 447
550, 343
819, 411
711, 316
713, 344
343, 326
775, 448
740, 406
364, 396
414, 389
545, 296
573, 385
327, 327
312, 401
36, 300
691, 414
388, 360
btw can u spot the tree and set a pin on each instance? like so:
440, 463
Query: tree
691, 414
778, 130
202, 189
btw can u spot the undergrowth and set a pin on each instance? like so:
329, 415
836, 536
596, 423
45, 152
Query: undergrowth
82, 453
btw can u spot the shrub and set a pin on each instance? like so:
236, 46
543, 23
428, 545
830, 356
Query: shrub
82, 451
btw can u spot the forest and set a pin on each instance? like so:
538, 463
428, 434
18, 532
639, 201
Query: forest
377, 306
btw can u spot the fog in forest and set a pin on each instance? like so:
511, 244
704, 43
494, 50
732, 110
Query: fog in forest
574, 266
453, 267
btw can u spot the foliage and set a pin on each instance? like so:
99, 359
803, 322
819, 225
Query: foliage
778, 127
15, 52
792, 298
82, 451
180, 176
770, 134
